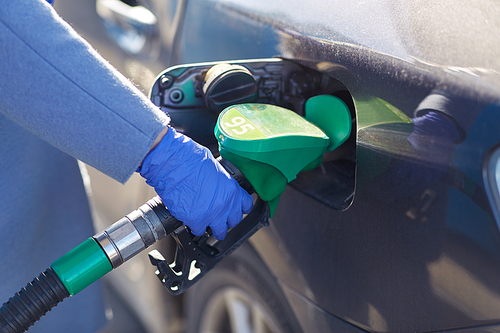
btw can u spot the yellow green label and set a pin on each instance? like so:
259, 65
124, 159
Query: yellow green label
235, 125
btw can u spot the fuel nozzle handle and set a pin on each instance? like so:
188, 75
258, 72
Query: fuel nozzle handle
94, 258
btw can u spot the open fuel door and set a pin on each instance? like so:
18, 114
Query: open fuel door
278, 123
195, 94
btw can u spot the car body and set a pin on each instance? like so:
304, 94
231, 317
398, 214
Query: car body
398, 230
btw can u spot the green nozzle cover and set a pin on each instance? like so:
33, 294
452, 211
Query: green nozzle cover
272, 135
270, 145
82, 266
267, 181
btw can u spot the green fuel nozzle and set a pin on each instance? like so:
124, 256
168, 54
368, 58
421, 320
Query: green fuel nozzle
271, 144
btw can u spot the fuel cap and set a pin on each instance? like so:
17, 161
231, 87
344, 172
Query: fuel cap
226, 85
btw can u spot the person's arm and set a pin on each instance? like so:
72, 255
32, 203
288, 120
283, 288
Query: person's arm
55, 85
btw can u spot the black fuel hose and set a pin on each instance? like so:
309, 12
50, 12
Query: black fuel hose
32, 302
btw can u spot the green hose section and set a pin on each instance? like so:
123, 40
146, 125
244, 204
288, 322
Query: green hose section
82, 266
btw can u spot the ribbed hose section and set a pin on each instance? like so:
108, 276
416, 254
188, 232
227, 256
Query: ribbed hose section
33, 301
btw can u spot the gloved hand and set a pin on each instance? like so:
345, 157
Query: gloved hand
193, 186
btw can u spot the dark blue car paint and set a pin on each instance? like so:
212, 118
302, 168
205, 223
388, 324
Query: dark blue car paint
424, 260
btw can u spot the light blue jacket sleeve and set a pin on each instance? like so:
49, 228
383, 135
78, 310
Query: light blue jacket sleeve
55, 85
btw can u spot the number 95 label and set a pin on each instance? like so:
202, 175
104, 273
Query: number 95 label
239, 127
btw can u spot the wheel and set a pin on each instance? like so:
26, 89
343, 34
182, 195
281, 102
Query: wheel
239, 296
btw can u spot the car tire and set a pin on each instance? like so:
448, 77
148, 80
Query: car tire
239, 295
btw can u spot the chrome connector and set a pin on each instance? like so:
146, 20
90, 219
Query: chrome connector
130, 235
121, 241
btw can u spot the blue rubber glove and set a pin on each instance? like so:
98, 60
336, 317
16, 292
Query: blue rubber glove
194, 186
